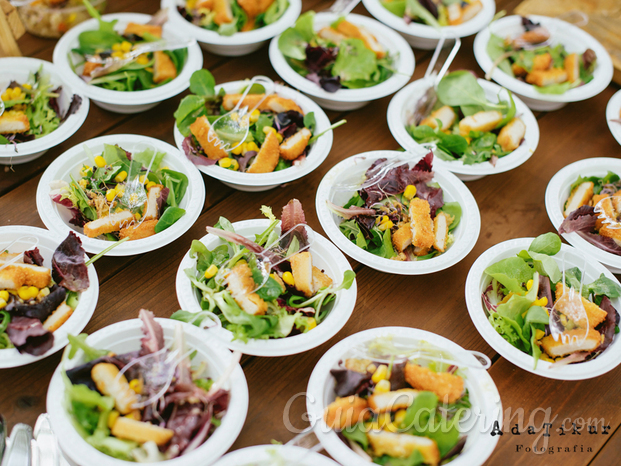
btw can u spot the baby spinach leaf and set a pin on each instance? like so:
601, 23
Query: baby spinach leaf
168, 218
495, 49
511, 273
604, 286
203, 83
292, 44
357, 433
453, 209
177, 183
461, 88
557, 88
190, 108
309, 121
275, 11
396, 7
304, 26
354, 61
548, 243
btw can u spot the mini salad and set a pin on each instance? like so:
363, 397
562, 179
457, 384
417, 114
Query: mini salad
145, 406
266, 288
228, 17
125, 73
280, 133
123, 195
35, 300
532, 58
528, 296
32, 109
463, 124
342, 55
592, 210
436, 13
399, 213
399, 409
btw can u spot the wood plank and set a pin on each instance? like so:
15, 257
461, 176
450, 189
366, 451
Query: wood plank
610, 452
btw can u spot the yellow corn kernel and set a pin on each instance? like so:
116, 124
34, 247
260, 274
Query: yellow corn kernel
110, 195
234, 165
43, 292
279, 137
529, 284
118, 54
238, 149
71, 19
252, 146
225, 162
371, 368
400, 416
143, 179
543, 302
83, 183
373, 426
120, 177
112, 417
211, 271
85, 170
380, 374
165, 168
545, 357
312, 323
5, 96
116, 47
120, 190
2, 303
190, 4
100, 161
383, 419
23, 293
136, 385
133, 198
4, 294
391, 427
563, 319
254, 116
137, 216
27, 86
410, 191
142, 59
382, 387
150, 184
269, 129
539, 334
384, 219
135, 415
126, 46
149, 69
386, 225
287, 277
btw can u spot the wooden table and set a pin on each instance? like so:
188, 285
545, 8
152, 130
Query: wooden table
511, 204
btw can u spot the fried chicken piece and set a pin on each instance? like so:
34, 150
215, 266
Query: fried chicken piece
19, 274
568, 306
392, 401
346, 412
511, 135
421, 224
480, 121
403, 445
580, 195
268, 156
292, 147
14, 121
241, 285
211, 144
448, 387
141, 29
445, 114
571, 341
544, 78
302, 270
163, 67
140, 230
108, 224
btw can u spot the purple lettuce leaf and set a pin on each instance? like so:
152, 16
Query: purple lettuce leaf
77, 218
350, 382
581, 219
602, 242
195, 153
153, 339
430, 6
318, 58
607, 328
53, 102
68, 267
244, 159
82, 374
350, 212
161, 200
74, 106
397, 376
28, 336
434, 196
292, 215
287, 123
33, 257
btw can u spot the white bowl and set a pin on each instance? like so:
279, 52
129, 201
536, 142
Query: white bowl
351, 99
477, 283
117, 101
573, 38
325, 256
612, 113
263, 181
240, 43
48, 242
18, 69
57, 217
270, 455
466, 233
486, 405
404, 102
123, 337
558, 191
422, 36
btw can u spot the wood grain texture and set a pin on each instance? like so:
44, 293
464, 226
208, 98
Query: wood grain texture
511, 205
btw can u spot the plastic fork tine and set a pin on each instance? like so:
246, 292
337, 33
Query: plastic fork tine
434, 58
448, 60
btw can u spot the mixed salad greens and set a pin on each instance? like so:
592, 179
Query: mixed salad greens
533, 58
340, 55
399, 406
228, 17
593, 210
399, 213
106, 60
145, 406
123, 195
32, 109
35, 300
266, 288
520, 304
463, 124
280, 134
436, 13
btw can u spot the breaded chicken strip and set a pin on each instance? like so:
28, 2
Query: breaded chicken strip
320, 279
345, 412
441, 225
13, 121
292, 147
254, 7
163, 67
402, 238
480, 121
421, 224
241, 285
359, 32
302, 270
448, 387
19, 274
544, 78
109, 224
140, 230
392, 401
511, 135
569, 342
211, 144
403, 445
141, 29
567, 306
445, 114
268, 156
